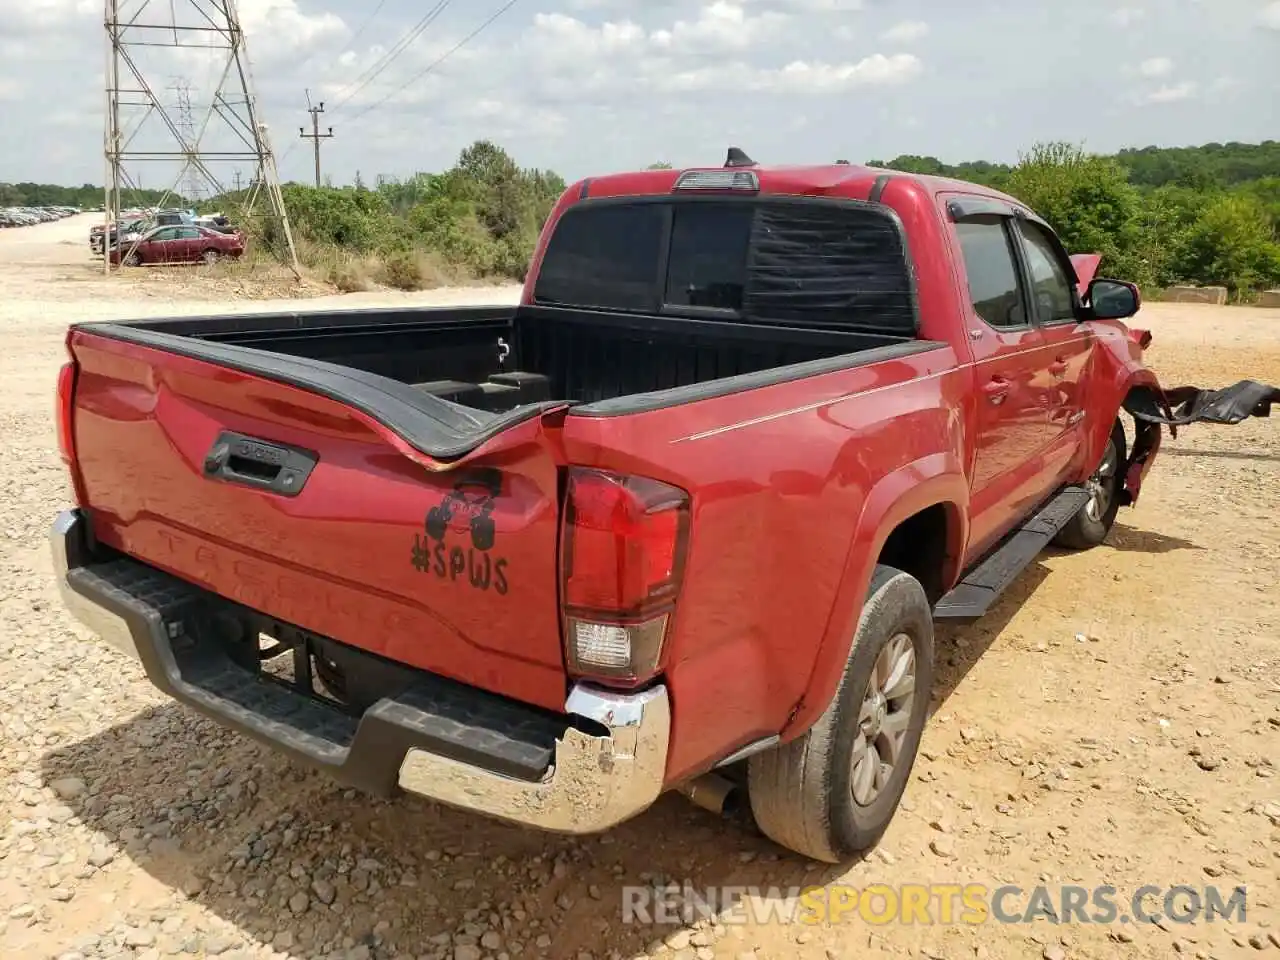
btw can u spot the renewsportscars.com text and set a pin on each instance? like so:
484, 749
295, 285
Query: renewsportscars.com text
934, 903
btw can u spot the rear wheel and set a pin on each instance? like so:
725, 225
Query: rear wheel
831, 793
1091, 524
210, 257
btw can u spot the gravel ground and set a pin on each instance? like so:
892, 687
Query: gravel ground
1114, 720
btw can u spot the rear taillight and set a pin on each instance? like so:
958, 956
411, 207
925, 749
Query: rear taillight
66, 403
622, 560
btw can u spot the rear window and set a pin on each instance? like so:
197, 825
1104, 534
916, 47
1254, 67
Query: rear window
786, 261
607, 259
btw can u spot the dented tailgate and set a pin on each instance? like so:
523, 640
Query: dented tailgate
312, 511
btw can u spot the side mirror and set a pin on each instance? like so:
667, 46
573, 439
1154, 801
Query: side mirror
1113, 299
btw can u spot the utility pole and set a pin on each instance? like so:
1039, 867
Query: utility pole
315, 136
236, 177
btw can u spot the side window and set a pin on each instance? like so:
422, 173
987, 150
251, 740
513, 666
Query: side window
992, 272
1050, 283
190, 233
166, 234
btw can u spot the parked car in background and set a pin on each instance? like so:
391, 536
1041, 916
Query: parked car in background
216, 221
186, 243
123, 232
29, 216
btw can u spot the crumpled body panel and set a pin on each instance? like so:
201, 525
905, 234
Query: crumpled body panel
1183, 405
1154, 408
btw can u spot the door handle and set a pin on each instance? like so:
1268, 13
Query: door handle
996, 390
1059, 367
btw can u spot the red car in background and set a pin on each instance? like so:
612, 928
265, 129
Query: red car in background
180, 244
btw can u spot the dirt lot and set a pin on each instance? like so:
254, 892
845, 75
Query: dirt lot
1115, 721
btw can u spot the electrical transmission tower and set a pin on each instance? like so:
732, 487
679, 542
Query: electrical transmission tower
148, 38
192, 188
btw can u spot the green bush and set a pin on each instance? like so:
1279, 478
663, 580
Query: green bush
1204, 215
1232, 244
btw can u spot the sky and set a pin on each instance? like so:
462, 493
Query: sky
592, 86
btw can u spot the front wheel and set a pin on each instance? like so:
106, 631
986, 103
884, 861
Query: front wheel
1092, 522
831, 793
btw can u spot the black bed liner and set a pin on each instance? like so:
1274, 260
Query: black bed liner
437, 427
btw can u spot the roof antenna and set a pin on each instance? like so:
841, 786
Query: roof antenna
737, 158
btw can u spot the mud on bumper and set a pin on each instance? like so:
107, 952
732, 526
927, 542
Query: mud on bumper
599, 763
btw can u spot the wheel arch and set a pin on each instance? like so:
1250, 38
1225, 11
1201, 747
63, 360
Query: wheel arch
921, 503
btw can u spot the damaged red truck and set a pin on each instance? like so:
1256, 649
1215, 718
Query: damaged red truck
689, 510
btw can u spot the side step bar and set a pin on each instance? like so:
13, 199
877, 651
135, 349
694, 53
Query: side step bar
978, 591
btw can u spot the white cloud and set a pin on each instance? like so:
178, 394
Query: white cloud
907, 31
280, 27
800, 77
719, 26
816, 6
1227, 85
584, 86
1173, 93
1127, 16
39, 15
1269, 16
876, 70
1156, 67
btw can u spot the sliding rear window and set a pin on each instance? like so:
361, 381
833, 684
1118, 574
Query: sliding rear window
796, 262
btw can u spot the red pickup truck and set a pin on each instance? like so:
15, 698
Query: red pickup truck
693, 505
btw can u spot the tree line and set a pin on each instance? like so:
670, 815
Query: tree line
1206, 215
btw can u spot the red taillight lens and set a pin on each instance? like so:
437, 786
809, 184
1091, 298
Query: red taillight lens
623, 548
66, 401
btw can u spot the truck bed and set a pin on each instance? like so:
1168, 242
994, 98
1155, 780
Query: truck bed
448, 379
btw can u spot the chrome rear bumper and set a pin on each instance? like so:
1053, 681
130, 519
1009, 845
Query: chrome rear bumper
601, 772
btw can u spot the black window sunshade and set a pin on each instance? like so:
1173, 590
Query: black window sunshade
792, 261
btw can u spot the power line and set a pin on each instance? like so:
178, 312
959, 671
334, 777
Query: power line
352, 39
439, 60
390, 56
364, 26
365, 77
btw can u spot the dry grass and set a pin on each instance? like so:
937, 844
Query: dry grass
350, 272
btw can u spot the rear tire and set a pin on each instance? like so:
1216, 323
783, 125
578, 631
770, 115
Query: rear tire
210, 257
831, 793
1092, 522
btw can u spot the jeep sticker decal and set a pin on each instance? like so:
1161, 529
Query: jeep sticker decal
465, 511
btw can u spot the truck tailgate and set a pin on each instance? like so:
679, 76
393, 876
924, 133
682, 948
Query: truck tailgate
308, 509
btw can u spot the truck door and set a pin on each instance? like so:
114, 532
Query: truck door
1009, 433
1069, 343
